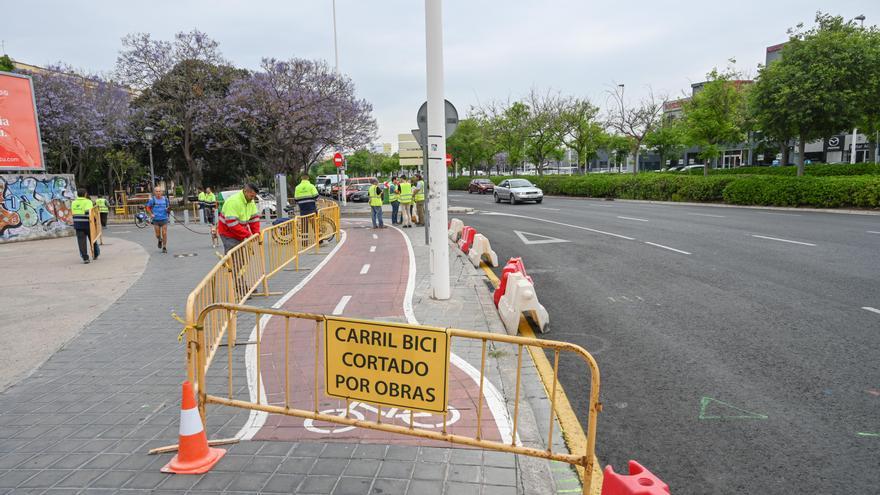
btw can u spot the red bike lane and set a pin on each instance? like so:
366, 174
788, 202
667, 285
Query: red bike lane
367, 278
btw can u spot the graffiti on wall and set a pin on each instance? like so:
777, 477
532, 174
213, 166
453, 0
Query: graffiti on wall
35, 206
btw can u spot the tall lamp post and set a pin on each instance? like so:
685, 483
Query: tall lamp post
852, 152
148, 138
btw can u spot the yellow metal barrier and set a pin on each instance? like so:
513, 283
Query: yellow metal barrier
203, 351
95, 230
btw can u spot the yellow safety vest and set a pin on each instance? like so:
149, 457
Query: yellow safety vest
394, 193
102, 205
375, 197
420, 196
210, 199
80, 208
406, 193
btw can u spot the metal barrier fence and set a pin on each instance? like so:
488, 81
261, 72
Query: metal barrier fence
240, 273
203, 346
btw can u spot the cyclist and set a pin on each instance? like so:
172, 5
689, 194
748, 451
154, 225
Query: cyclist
159, 207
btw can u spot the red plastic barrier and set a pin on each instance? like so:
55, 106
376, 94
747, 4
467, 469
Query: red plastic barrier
639, 481
513, 265
467, 239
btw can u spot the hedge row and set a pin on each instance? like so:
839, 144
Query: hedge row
818, 192
815, 170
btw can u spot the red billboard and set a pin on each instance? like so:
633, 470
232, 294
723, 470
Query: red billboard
20, 147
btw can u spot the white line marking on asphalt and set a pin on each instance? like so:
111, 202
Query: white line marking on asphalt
551, 209
563, 224
257, 419
783, 240
543, 238
631, 218
375, 236
365, 269
611, 299
707, 215
873, 310
340, 306
779, 214
372, 249
872, 232
493, 397
667, 247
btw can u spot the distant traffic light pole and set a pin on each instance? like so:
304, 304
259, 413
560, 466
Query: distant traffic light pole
436, 150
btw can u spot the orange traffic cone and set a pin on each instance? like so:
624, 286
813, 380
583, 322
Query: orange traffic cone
193, 454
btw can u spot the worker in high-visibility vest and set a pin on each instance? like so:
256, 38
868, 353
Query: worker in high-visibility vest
101, 203
306, 196
239, 218
80, 208
375, 193
210, 201
394, 199
419, 198
406, 201
202, 204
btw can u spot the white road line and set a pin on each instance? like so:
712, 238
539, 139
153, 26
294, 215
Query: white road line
563, 224
375, 236
667, 247
340, 306
632, 218
707, 215
872, 232
779, 214
365, 269
372, 249
782, 240
873, 310
551, 209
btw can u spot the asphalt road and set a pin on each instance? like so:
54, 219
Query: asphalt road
735, 351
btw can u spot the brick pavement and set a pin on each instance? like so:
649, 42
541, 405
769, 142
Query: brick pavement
83, 422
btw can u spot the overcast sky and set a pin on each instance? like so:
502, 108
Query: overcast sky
493, 49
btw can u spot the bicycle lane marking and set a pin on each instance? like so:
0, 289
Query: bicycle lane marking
382, 293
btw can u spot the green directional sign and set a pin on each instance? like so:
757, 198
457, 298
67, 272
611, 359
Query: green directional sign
715, 409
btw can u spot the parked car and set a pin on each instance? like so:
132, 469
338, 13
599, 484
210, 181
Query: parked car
692, 167
358, 193
325, 183
354, 181
481, 186
518, 190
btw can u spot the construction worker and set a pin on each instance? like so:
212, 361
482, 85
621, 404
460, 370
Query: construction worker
419, 198
159, 207
101, 203
239, 218
210, 205
306, 195
80, 208
202, 204
406, 200
375, 193
394, 199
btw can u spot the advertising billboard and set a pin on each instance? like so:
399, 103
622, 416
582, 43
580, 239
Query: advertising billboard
20, 147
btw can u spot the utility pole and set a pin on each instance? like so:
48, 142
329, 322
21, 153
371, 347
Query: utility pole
436, 150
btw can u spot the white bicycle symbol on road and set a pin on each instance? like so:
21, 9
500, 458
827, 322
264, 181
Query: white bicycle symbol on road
423, 420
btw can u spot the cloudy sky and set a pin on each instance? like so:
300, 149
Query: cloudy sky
493, 49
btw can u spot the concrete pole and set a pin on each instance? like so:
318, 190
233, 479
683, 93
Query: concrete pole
436, 150
852, 158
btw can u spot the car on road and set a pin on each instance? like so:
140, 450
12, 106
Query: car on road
689, 168
517, 191
481, 186
358, 193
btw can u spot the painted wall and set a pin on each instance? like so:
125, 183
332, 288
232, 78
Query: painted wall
35, 206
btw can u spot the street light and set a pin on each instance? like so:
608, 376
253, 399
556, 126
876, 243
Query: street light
861, 19
148, 137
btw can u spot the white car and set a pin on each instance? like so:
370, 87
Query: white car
517, 191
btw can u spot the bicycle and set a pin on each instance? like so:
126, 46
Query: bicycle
427, 420
141, 219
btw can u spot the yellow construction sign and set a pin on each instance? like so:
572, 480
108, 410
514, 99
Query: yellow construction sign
386, 363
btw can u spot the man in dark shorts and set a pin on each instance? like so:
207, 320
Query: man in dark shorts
158, 207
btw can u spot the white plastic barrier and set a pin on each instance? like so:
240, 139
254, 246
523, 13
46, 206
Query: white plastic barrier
482, 251
455, 226
520, 297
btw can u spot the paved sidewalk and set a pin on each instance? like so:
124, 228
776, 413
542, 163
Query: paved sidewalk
83, 422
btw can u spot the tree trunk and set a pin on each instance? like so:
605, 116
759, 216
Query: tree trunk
784, 152
802, 145
636, 162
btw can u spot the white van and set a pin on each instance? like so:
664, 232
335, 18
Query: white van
324, 182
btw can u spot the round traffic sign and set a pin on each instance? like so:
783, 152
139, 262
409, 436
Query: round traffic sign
338, 160
448, 160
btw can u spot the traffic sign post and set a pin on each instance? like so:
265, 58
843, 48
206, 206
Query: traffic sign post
339, 161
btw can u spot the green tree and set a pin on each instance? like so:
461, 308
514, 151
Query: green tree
667, 140
507, 124
634, 121
618, 147
6, 64
714, 116
468, 144
545, 128
583, 134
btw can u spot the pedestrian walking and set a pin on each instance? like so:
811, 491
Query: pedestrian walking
80, 208
159, 207
101, 203
202, 205
394, 199
406, 200
239, 218
419, 198
375, 193
210, 205
306, 196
